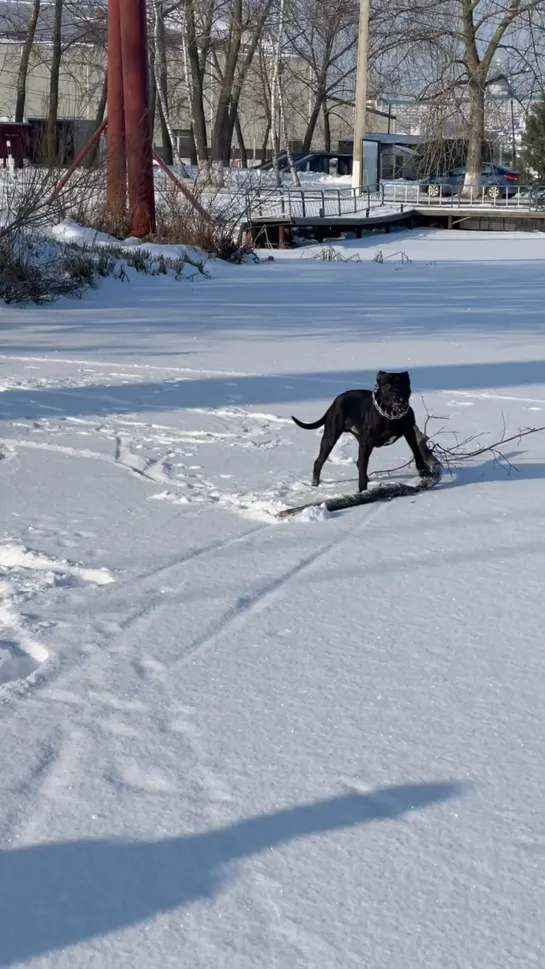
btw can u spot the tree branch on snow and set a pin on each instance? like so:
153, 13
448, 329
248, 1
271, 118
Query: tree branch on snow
461, 451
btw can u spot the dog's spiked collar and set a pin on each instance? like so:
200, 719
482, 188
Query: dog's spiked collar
393, 415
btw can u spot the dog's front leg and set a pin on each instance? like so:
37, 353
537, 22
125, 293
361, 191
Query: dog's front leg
364, 453
423, 469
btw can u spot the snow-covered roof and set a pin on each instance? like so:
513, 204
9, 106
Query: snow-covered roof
83, 22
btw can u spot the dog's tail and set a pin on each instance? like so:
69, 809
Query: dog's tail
309, 427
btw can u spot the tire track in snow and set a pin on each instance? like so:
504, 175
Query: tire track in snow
22, 794
205, 550
159, 599
56, 773
246, 606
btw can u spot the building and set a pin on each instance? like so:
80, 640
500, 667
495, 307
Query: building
82, 80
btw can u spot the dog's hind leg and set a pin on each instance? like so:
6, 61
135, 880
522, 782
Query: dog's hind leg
329, 440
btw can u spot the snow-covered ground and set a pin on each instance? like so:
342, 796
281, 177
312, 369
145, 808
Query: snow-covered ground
233, 742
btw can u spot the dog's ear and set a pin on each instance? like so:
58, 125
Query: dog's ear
380, 376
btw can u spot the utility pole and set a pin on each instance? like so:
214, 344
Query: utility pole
361, 96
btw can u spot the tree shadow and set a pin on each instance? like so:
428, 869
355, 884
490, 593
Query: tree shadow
494, 470
58, 894
317, 300
201, 391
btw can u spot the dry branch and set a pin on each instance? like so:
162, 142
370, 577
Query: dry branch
458, 452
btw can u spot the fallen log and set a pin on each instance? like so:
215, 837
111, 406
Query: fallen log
383, 492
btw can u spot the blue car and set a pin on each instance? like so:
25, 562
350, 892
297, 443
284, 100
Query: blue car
496, 182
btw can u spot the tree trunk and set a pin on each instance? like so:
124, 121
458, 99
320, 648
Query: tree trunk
168, 154
152, 95
313, 120
161, 82
275, 105
196, 89
93, 152
192, 148
52, 146
327, 128
475, 139
285, 133
238, 82
241, 144
26, 51
265, 143
221, 125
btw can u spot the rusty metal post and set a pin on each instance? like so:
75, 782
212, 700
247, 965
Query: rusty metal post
185, 191
134, 55
116, 185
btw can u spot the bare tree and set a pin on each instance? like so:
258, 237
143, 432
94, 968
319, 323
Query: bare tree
198, 46
476, 62
232, 58
101, 110
26, 51
445, 52
170, 151
158, 67
56, 55
254, 32
323, 36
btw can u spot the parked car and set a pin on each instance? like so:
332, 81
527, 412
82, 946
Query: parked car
496, 182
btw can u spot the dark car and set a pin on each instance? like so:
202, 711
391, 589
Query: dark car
496, 182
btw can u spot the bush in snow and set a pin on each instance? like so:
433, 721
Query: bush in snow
216, 231
38, 270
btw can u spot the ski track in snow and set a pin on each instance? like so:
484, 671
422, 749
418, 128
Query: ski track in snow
244, 608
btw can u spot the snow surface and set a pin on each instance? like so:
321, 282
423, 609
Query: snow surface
233, 742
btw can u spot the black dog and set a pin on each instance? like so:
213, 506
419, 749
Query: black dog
375, 418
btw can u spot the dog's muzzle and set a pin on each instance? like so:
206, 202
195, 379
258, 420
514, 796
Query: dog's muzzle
395, 414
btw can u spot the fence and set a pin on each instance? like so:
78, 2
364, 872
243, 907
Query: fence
312, 202
530, 198
308, 203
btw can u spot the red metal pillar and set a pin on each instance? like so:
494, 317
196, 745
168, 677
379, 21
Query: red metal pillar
116, 191
134, 52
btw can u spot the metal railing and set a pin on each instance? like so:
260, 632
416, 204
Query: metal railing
312, 202
304, 203
530, 198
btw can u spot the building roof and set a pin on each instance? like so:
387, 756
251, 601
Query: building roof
82, 22
391, 139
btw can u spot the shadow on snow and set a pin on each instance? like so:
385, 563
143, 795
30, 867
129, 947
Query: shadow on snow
58, 894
